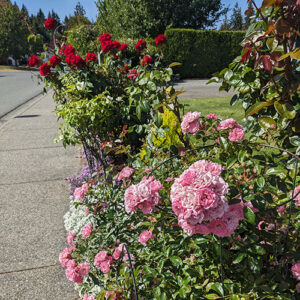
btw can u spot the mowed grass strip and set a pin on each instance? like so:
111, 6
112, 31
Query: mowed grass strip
220, 106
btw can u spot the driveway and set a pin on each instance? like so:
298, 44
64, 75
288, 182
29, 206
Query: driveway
16, 88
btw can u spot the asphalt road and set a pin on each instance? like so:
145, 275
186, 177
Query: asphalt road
16, 88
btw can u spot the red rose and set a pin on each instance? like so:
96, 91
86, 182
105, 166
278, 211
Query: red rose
106, 46
147, 60
116, 44
140, 45
79, 62
70, 59
116, 57
91, 57
123, 47
68, 50
33, 61
124, 69
45, 69
161, 39
50, 23
104, 37
54, 61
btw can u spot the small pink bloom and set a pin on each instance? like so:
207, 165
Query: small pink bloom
105, 265
228, 124
297, 199
115, 295
296, 271
86, 232
272, 126
83, 269
125, 173
190, 123
100, 257
72, 275
87, 297
259, 224
281, 209
86, 211
80, 192
148, 170
169, 179
145, 236
212, 116
182, 153
65, 256
236, 134
117, 253
70, 238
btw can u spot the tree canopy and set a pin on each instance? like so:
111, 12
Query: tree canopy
143, 18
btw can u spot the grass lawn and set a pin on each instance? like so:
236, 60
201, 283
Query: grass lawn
219, 106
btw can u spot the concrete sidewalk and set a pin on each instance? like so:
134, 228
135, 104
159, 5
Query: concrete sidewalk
33, 200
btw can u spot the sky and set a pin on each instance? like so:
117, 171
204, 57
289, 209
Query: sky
66, 7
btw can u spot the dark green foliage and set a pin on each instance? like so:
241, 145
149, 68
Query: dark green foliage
237, 21
144, 18
201, 52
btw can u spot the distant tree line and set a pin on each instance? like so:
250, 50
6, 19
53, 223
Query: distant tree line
16, 25
237, 21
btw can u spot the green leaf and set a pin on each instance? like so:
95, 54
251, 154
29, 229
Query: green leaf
175, 64
249, 215
241, 155
257, 107
228, 75
212, 296
295, 141
266, 122
224, 143
285, 110
239, 258
139, 112
261, 182
279, 171
272, 43
230, 162
143, 81
176, 261
218, 288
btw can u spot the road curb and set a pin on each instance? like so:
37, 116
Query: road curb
20, 109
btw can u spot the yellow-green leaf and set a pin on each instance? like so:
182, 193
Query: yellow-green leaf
257, 107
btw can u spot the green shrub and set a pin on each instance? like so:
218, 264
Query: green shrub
202, 52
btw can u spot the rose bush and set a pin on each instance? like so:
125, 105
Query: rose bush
173, 205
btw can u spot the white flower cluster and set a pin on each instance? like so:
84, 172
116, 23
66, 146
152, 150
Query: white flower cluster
75, 219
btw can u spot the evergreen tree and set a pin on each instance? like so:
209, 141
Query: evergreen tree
79, 10
24, 10
13, 32
225, 25
236, 21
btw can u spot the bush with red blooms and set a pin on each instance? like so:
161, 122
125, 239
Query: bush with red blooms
147, 60
33, 61
54, 61
50, 23
141, 45
45, 69
160, 39
91, 57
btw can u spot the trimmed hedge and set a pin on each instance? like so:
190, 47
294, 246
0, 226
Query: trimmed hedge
202, 52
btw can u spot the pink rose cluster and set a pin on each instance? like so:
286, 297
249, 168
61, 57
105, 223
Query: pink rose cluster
296, 270
145, 236
236, 132
87, 297
190, 122
115, 294
87, 230
143, 196
212, 116
80, 192
103, 261
198, 199
125, 173
73, 272
297, 199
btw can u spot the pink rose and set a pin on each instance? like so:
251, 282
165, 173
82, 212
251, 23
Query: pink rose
73, 276
228, 124
105, 265
86, 232
296, 271
65, 256
206, 198
87, 297
125, 173
212, 116
236, 134
80, 192
114, 294
100, 257
70, 238
83, 269
145, 236
297, 199
190, 123
169, 179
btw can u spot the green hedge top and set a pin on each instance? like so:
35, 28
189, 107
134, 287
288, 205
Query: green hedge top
202, 52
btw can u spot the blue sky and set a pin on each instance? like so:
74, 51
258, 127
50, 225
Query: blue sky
66, 7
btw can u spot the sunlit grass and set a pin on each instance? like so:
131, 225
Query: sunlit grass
219, 106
